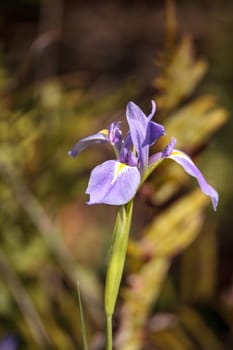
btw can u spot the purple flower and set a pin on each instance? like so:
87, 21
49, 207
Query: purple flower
116, 181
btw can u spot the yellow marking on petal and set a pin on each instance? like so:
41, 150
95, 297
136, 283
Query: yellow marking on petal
118, 169
178, 153
104, 132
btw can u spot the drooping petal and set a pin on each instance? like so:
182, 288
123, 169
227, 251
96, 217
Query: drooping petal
113, 183
143, 132
188, 165
100, 137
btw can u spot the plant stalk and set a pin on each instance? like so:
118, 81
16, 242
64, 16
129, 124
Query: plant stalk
116, 264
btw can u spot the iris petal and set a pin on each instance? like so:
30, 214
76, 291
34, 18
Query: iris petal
153, 133
150, 116
188, 165
113, 183
137, 121
143, 132
100, 137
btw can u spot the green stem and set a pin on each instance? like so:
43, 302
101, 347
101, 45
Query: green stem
116, 264
109, 332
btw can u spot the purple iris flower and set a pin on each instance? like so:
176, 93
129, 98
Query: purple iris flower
116, 181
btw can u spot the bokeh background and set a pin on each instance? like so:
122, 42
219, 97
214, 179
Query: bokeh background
67, 69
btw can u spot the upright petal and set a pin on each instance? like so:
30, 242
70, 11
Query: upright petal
100, 137
143, 132
113, 183
153, 133
152, 113
188, 165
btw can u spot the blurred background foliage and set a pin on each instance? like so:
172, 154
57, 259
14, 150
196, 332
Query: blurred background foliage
68, 69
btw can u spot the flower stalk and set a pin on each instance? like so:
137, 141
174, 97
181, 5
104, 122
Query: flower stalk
116, 264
